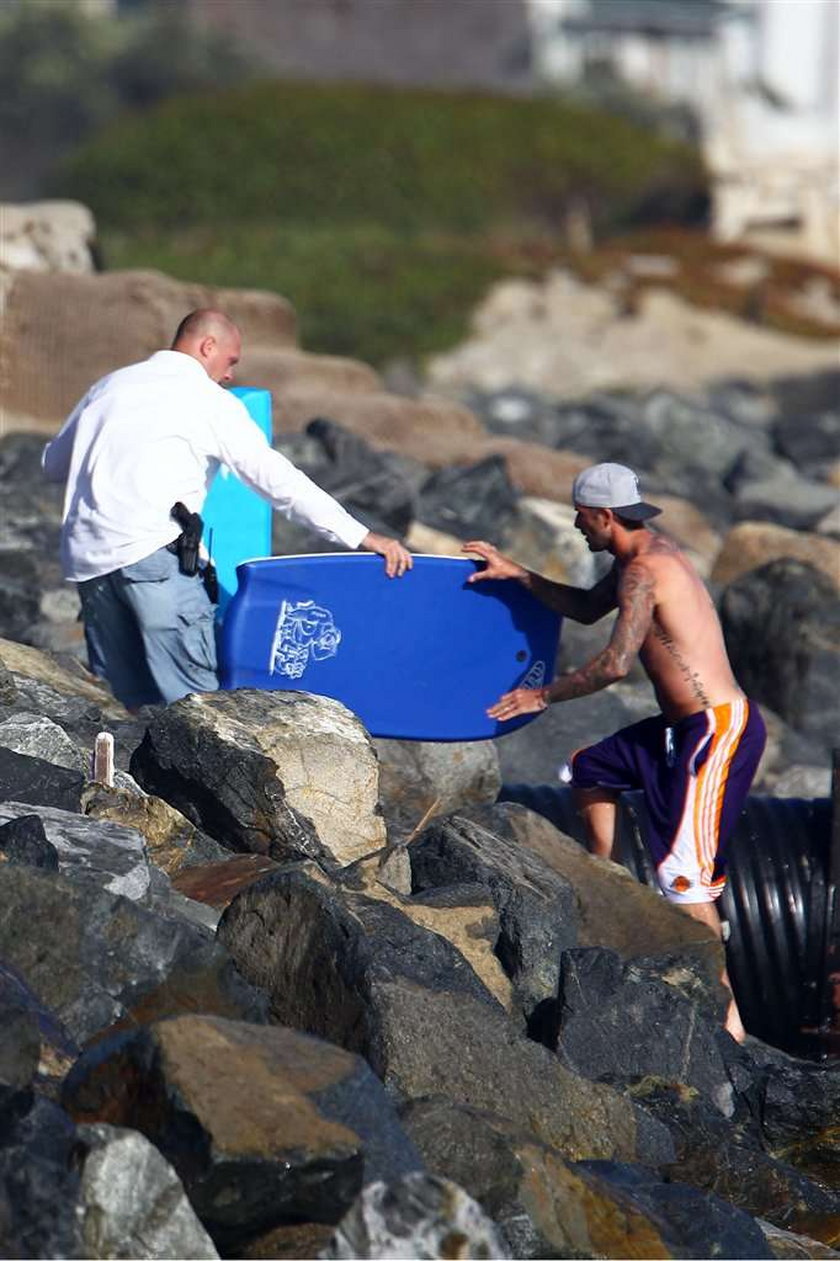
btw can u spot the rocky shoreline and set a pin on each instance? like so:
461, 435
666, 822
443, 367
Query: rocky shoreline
249, 1008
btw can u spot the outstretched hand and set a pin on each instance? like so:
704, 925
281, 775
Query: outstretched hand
522, 700
397, 559
496, 565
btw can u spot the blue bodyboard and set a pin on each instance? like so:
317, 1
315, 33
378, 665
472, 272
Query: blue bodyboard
237, 521
416, 658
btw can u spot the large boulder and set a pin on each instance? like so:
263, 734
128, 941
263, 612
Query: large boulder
265, 1126
542, 1204
472, 501
432, 430
94, 958
647, 1018
280, 773
39, 1180
782, 628
732, 1160
46, 236
62, 332
38, 736
614, 911
358, 971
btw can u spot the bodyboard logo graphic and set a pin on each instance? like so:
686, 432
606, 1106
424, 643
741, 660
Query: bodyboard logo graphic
535, 676
304, 632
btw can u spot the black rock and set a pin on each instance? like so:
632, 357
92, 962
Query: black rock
693, 1223
23, 840
781, 623
536, 908
477, 501
729, 1158
620, 1021
39, 1186
94, 958
36, 782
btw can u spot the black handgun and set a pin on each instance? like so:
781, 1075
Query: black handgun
187, 543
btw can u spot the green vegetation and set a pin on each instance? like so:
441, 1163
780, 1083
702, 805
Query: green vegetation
383, 215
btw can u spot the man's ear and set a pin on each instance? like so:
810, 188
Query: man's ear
206, 346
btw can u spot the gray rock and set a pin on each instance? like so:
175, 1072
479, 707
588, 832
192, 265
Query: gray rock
537, 908
608, 1010
282, 773
785, 498
731, 1159
803, 781
132, 1201
360, 973
691, 1223
418, 776
265, 1126
94, 959
417, 1216
91, 852
38, 736
782, 628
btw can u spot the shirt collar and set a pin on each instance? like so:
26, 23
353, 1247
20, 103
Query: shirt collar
179, 361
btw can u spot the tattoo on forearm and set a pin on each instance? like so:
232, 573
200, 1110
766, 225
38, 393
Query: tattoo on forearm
690, 676
636, 604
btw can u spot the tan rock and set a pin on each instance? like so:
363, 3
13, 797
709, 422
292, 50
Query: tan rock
46, 236
272, 367
424, 540
755, 543
61, 332
544, 538
537, 470
472, 930
169, 837
73, 680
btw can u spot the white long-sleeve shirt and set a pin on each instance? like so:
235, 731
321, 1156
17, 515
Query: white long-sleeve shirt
154, 433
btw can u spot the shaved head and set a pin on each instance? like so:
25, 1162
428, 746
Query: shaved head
213, 339
204, 322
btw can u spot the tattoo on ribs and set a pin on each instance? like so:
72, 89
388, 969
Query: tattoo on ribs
688, 674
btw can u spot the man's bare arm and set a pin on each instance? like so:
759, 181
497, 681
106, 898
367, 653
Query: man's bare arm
636, 601
578, 603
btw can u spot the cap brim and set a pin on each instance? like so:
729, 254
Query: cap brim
637, 512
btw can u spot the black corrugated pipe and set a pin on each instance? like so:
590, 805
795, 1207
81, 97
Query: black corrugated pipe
781, 903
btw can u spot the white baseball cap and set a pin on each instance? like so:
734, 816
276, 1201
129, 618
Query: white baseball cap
612, 486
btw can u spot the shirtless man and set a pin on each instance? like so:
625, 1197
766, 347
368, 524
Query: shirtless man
695, 761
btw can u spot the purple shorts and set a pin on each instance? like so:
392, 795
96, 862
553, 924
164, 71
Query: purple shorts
695, 776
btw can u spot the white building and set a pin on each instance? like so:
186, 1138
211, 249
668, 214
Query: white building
762, 78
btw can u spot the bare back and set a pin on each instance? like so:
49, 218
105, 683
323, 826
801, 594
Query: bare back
683, 651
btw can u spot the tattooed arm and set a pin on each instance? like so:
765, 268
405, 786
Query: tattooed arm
636, 601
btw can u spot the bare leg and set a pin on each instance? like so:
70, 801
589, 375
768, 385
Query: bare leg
597, 808
707, 913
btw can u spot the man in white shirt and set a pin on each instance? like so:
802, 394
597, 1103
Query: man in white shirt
141, 440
